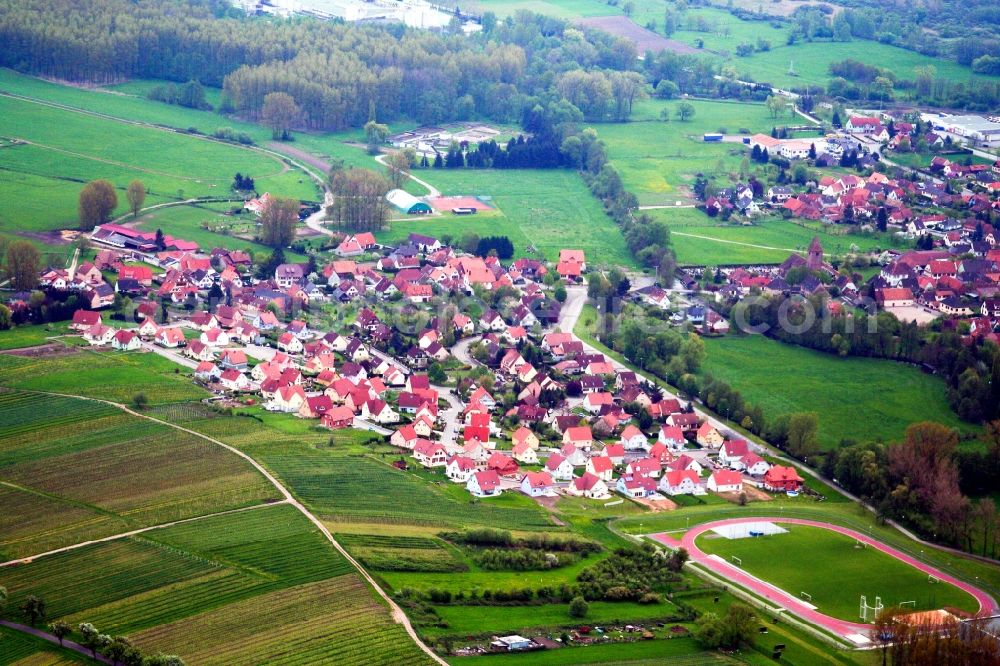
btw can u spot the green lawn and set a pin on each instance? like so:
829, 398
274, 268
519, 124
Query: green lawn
30, 335
861, 399
700, 240
679, 651
472, 620
829, 566
114, 376
847, 514
187, 222
658, 160
41, 179
719, 30
812, 60
550, 210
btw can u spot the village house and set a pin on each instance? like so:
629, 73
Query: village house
680, 482
602, 467
589, 486
725, 481
126, 341
579, 436
560, 468
709, 437
672, 437
460, 468
430, 454
485, 483
234, 380
633, 439
524, 453
782, 479
170, 337
337, 418
732, 451
636, 487
537, 484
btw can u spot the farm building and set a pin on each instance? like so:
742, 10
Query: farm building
407, 203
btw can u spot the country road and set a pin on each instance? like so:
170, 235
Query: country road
398, 615
431, 190
46, 636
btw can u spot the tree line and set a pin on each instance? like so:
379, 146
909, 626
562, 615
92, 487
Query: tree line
334, 72
971, 370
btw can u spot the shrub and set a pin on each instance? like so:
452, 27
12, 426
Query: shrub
578, 607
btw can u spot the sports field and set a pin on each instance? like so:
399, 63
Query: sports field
784, 379
835, 571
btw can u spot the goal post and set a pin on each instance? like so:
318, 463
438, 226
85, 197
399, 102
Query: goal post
805, 595
737, 561
931, 578
865, 609
908, 604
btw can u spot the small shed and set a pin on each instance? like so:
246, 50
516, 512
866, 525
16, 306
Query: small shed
407, 203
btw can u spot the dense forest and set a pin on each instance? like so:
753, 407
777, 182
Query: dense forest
336, 73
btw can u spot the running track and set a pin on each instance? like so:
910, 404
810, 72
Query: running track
793, 604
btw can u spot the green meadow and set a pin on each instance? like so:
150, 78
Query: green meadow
700, 240
830, 567
860, 399
811, 62
549, 210
58, 150
658, 161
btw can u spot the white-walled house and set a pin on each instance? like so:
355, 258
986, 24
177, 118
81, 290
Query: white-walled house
682, 482
725, 481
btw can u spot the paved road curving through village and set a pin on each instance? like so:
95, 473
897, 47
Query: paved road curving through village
785, 600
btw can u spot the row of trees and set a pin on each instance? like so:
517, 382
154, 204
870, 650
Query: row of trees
920, 481
359, 202
971, 371
98, 200
118, 649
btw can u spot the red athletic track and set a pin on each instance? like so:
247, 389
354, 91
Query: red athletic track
793, 604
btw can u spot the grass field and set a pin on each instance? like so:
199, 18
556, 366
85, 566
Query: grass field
812, 61
830, 567
115, 376
470, 620
30, 335
848, 514
700, 240
658, 160
677, 651
352, 482
546, 209
65, 149
186, 222
784, 379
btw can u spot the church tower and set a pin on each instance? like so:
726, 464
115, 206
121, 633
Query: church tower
814, 260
